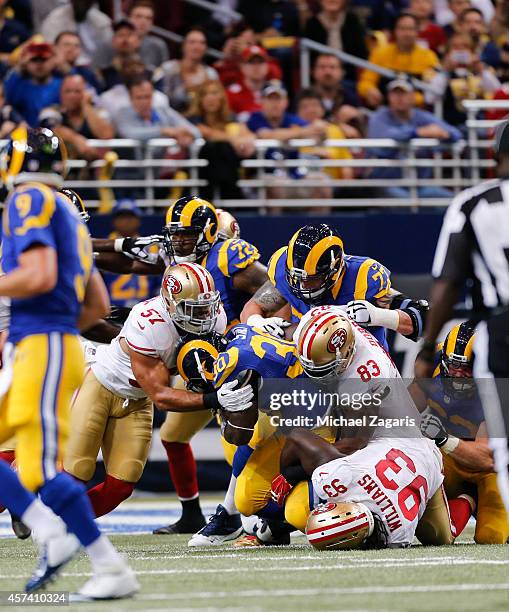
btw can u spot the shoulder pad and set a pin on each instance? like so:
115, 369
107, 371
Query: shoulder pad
278, 256
373, 280
234, 255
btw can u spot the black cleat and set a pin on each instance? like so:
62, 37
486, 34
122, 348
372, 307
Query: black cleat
270, 532
182, 526
21, 531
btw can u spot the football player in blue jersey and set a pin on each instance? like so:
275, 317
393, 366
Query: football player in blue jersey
455, 420
253, 444
314, 270
55, 291
191, 234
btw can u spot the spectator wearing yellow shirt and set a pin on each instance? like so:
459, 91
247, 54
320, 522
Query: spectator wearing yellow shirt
311, 109
404, 55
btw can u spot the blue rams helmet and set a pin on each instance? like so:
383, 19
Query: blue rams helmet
314, 262
76, 200
33, 155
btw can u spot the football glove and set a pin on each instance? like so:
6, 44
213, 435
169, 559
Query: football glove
230, 399
134, 248
432, 428
280, 489
368, 315
272, 325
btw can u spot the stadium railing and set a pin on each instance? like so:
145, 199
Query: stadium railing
149, 169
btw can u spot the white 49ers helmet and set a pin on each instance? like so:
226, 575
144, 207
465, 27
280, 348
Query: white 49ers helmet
339, 525
326, 345
190, 297
228, 225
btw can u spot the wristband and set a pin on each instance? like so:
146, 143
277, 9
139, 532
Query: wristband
387, 318
451, 445
118, 245
210, 402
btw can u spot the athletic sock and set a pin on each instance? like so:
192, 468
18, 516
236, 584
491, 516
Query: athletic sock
460, 510
107, 495
68, 499
271, 511
42, 521
182, 469
8, 457
229, 498
13, 494
102, 552
190, 509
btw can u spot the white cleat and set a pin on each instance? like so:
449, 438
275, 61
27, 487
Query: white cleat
54, 554
108, 582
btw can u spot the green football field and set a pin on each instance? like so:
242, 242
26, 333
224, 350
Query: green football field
173, 576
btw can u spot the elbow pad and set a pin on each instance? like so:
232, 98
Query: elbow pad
416, 310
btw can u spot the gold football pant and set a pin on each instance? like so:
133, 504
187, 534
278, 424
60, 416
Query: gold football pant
492, 525
252, 490
99, 421
47, 370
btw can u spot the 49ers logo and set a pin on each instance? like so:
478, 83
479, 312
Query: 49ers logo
337, 340
322, 508
234, 227
172, 284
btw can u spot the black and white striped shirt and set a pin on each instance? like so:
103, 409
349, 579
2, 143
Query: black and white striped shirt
473, 246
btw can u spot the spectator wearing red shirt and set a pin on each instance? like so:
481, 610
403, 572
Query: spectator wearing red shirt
431, 35
229, 68
244, 97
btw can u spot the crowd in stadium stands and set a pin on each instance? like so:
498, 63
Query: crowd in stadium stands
67, 65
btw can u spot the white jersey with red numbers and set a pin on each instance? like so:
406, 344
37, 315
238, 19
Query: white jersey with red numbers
370, 360
386, 405
394, 477
148, 330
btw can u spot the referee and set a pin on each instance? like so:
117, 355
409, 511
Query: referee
473, 254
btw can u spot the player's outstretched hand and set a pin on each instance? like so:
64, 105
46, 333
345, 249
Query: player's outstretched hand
280, 489
361, 311
272, 325
135, 247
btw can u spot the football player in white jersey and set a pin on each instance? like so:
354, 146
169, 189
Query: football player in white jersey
335, 349
113, 408
388, 481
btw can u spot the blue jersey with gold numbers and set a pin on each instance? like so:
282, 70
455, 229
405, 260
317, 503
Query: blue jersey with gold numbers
35, 214
224, 259
253, 349
362, 278
461, 417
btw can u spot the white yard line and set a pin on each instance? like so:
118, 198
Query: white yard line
436, 588
292, 568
